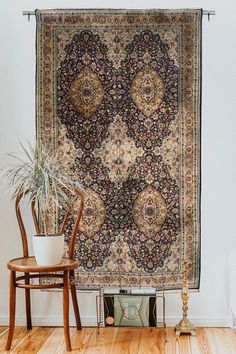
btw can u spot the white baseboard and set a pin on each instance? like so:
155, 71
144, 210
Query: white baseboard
50, 321
92, 321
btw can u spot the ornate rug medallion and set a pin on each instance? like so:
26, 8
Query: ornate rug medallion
150, 211
147, 91
119, 99
86, 92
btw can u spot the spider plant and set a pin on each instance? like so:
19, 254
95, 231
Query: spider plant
38, 177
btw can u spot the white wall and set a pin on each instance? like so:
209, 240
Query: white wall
17, 67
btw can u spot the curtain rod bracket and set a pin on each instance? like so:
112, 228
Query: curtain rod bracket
209, 13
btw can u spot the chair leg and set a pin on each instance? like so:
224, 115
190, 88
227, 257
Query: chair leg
66, 310
12, 309
75, 303
27, 305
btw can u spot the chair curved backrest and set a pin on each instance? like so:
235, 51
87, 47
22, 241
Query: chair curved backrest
75, 229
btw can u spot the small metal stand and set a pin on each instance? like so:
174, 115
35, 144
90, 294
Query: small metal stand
158, 309
185, 326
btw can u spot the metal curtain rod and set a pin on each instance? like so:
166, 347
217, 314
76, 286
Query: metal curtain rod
205, 12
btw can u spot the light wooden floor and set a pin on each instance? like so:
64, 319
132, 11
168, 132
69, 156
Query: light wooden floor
119, 341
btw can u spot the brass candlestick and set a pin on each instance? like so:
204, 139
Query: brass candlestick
185, 326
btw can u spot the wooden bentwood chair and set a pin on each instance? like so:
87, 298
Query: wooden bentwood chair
28, 265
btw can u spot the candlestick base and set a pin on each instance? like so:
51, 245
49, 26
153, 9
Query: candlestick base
185, 327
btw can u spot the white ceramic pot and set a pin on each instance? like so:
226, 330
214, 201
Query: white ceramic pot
48, 250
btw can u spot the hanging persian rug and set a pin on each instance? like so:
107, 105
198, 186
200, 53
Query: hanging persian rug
119, 98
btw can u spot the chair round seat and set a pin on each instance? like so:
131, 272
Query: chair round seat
29, 264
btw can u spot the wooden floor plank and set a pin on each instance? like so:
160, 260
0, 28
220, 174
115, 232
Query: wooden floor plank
231, 337
183, 344
223, 341
19, 334
151, 341
55, 341
80, 340
211, 341
102, 342
127, 341
33, 340
195, 347
121, 341
203, 341
218, 342
170, 341
2, 330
